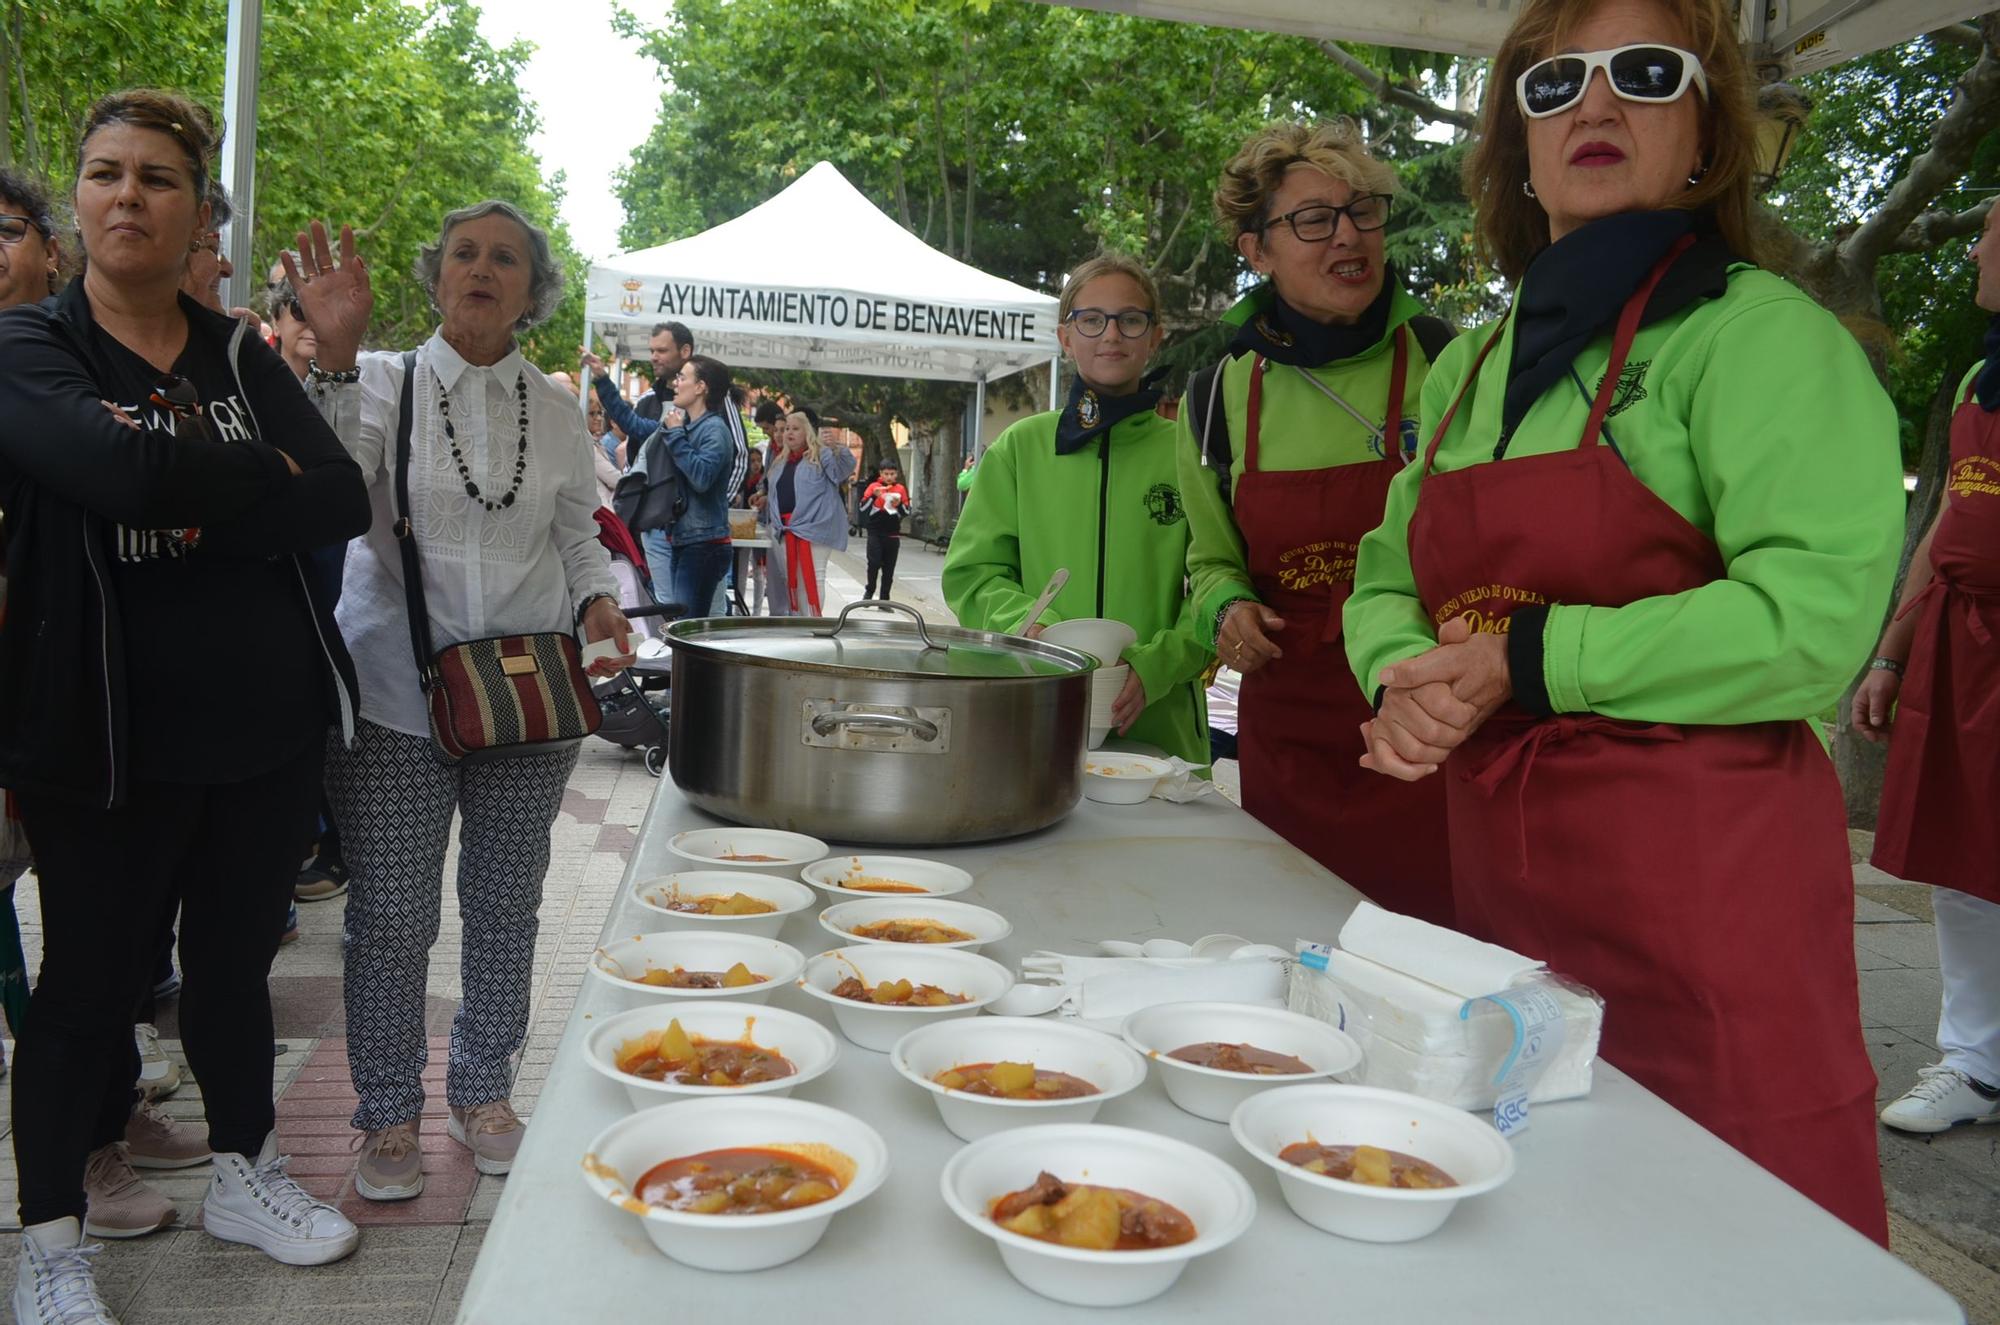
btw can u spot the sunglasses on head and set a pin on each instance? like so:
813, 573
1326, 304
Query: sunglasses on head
1647, 74
176, 395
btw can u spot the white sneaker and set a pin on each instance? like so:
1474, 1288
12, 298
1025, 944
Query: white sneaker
260, 1204
159, 1075
1942, 1096
55, 1285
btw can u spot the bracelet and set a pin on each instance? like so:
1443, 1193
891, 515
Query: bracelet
584, 606
317, 374
1886, 665
1222, 614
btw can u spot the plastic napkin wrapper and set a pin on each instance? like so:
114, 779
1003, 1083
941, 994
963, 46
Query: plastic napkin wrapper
1415, 997
1182, 782
1101, 991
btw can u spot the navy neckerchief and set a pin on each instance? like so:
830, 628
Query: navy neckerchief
1986, 387
1090, 414
1282, 334
1574, 289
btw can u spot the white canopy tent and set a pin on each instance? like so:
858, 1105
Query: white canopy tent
1784, 37
818, 278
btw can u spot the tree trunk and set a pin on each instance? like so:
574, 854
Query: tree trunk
1861, 763
944, 173
934, 456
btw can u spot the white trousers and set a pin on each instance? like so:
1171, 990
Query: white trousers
1968, 936
781, 588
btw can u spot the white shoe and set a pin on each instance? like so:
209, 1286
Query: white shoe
159, 1075
261, 1205
1942, 1097
55, 1285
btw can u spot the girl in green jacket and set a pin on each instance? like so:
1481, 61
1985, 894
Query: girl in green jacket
1093, 487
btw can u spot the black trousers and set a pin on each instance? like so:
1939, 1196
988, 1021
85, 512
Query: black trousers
227, 855
882, 552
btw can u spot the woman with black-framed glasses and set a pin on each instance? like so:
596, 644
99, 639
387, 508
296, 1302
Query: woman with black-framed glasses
167, 683
1291, 442
30, 255
1092, 488
1650, 537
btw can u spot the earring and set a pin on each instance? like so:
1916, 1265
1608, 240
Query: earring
1528, 187
1699, 175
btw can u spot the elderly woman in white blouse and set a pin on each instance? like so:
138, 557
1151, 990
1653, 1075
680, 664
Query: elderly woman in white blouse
502, 493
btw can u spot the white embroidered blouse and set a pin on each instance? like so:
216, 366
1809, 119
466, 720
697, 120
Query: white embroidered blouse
521, 569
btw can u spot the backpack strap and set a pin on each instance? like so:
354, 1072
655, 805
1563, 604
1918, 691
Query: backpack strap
1433, 334
1209, 421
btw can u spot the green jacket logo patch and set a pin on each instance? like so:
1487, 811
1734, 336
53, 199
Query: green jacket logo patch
1631, 388
1163, 503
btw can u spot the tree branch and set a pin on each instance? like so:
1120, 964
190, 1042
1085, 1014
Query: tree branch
1974, 112
1395, 95
1934, 228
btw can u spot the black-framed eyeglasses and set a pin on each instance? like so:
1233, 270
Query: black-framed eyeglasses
1316, 223
14, 229
1091, 322
1644, 73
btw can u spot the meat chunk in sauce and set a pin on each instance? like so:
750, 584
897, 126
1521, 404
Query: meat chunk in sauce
680, 1059
897, 994
1247, 1058
1013, 1081
1370, 1165
718, 904
738, 1182
680, 977
910, 931
1092, 1218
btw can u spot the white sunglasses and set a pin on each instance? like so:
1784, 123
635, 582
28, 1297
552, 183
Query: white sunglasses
1648, 74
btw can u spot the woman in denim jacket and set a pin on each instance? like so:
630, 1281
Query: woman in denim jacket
804, 514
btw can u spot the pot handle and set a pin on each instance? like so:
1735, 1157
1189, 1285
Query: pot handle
921, 728
882, 605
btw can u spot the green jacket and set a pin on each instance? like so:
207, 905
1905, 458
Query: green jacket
1754, 415
965, 478
1301, 429
1110, 512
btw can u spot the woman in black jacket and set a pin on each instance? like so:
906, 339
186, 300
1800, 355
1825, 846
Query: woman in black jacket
166, 683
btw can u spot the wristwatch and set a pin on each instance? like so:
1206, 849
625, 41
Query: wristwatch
1886, 665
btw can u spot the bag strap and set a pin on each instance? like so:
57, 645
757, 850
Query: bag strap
1209, 422
406, 534
1432, 333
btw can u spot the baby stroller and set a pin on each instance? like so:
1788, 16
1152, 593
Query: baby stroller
636, 702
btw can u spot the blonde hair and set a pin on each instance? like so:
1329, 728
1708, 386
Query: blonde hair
1512, 227
812, 434
1333, 147
1107, 264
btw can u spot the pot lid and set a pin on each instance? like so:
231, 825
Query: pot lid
886, 639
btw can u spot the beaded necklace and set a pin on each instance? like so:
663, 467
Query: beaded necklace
520, 451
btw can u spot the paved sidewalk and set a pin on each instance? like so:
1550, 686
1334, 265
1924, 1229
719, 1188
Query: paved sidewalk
415, 1257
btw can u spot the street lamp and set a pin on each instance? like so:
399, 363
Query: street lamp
1781, 112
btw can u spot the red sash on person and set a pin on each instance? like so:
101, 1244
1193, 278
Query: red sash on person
798, 554
1300, 717
1938, 822
1696, 877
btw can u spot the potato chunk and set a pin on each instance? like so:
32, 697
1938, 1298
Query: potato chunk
737, 976
1371, 1165
890, 991
675, 1046
1089, 1217
742, 904
1035, 1221
1011, 1078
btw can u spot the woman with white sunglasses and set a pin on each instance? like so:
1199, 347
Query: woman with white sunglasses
1650, 535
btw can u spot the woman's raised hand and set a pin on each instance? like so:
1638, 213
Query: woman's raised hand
336, 299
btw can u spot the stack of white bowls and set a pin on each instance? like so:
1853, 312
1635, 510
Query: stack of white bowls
1105, 640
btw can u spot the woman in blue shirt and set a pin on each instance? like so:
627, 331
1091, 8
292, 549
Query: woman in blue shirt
804, 513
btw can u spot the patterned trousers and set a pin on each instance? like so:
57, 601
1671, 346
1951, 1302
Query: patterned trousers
394, 801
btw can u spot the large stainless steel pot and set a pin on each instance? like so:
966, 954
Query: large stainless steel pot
876, 729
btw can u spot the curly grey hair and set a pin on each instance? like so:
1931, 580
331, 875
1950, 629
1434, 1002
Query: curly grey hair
545, 280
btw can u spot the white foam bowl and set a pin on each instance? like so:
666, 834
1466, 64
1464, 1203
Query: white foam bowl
618, 962
1210, 1192
985, 926
1122, 779
624, 1152
1100, 637
1054, 1046
1211, 1093
934, 877
878, 1027
788, 895
809, 1046
709, 848
1464, 1146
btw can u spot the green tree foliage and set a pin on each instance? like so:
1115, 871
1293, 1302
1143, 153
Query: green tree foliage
375, 112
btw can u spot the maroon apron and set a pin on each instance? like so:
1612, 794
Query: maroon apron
1695, 876
1938, 822
1300, 716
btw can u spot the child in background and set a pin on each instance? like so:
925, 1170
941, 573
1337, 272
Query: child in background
883, 505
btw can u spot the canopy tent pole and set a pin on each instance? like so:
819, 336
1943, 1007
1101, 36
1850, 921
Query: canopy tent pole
1055, 375
583, 386
239, 167
978, 415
